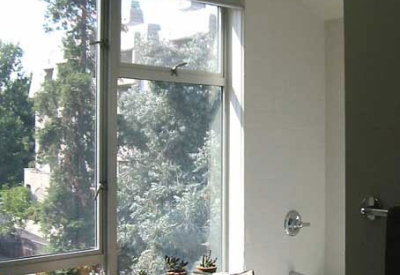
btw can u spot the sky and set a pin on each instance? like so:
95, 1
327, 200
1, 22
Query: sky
21, 22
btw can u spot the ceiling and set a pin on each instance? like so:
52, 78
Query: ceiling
326, 9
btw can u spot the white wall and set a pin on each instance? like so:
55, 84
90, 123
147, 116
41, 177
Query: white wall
335, 150
284, 116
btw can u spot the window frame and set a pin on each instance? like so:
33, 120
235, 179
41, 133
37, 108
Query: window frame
155, 73
94, 256
109, 70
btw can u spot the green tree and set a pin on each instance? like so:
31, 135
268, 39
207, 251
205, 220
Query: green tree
16, 208
66, 109
166, 138
164, 178
16, 117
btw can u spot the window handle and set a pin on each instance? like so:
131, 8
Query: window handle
174, 69
101, 186
103, 43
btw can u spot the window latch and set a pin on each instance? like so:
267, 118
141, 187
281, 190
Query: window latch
102, 42
174, 69
100, 187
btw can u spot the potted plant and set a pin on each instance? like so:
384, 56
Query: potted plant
175, 266
208, 264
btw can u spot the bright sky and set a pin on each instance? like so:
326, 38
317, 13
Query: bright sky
21, 21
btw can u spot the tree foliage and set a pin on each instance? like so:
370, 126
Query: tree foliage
16, 117
169, 149
66, 108
169, 134
16, 208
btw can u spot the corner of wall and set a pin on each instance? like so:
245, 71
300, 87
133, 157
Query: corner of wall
335, 158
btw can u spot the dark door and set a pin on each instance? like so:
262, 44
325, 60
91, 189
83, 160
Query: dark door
372, 64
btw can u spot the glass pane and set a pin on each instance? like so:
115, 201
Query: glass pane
169, 32
169, 174
47, 127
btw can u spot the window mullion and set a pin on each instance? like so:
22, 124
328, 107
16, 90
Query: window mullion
164, 74
112, 34
226, 137
101, 125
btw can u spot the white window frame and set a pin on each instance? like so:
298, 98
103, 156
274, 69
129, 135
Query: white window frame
110, 69
95, 256
153, 73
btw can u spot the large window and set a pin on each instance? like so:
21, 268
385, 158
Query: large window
169, 134
47, 128
113, 134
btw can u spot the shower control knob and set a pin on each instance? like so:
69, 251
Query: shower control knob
293, 223
300, 224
